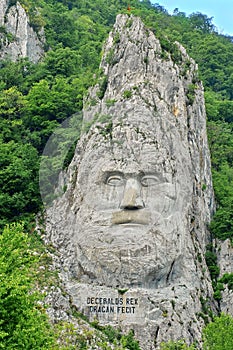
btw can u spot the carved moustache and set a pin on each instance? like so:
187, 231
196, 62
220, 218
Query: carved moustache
131, 216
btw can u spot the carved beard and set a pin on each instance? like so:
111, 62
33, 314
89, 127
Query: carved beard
150, 261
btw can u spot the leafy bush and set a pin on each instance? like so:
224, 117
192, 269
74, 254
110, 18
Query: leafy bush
227, 278
129, 342
211, 261
127, 94
23, 322
218, 335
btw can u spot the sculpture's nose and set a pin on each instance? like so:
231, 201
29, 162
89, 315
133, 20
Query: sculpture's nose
132, 195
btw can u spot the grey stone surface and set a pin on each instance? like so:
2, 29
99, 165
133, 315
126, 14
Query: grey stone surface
225, 256
225, 262
24, 42
130, 230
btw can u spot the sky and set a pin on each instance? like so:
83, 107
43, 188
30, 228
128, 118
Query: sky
220, 10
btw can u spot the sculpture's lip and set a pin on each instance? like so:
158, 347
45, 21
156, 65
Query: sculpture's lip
131, 217
131, 224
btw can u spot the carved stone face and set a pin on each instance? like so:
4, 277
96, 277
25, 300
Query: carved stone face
131, 221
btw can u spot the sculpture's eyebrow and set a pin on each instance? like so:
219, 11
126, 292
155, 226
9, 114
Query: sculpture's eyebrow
137, 174
108, 173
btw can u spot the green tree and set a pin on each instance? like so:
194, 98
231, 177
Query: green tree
11, 103
23, 323
19, 194
201, 22
218, 335
63, 61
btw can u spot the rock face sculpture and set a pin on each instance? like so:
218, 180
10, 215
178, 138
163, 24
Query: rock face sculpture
130, 229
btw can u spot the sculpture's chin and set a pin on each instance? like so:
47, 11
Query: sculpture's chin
125, 266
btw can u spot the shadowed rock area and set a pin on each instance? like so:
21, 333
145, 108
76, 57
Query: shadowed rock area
130, 230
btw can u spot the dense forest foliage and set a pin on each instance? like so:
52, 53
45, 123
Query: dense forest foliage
36, 98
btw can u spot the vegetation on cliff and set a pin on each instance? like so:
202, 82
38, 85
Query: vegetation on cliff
35, 98
24, 271
217, 335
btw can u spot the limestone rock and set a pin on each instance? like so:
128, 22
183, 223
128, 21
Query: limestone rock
130, 229
17, 38
225, 261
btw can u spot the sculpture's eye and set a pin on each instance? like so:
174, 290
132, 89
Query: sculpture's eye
149, 180
115, 180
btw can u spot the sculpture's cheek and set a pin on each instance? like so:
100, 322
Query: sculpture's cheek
102, 197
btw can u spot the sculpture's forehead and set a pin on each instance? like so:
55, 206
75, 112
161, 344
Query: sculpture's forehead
144, 158
129, 150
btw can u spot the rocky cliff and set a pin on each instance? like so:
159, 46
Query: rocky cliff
17, 37
130, 230
225, 262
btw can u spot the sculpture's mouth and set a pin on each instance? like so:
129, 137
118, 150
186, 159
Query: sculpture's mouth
132, 217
